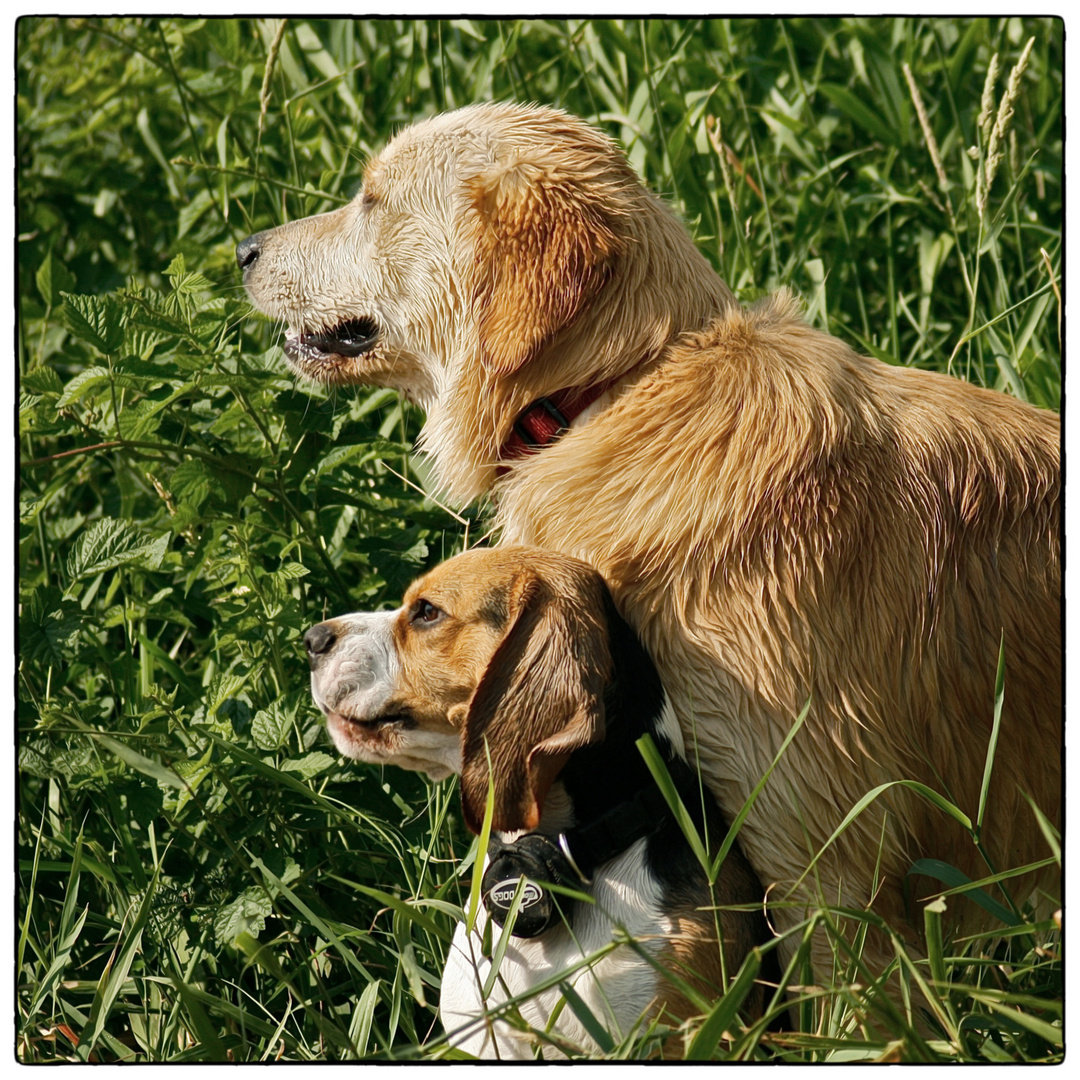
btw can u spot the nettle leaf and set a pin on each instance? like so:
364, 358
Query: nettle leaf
285, 575
309, 765
47, 760
191, 482
140, 420
42, 380
87, 380
142, 341
190, 774
206, 326
93, 378
187, 282
222, 687
97, 320
151, 372
110, 543
284, 867
49, 627
246, 914
156, 311
144, 800
270, 726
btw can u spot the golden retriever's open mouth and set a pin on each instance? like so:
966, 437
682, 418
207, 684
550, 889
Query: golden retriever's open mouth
344, 341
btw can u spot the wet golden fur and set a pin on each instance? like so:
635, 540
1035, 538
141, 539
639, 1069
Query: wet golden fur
781, 519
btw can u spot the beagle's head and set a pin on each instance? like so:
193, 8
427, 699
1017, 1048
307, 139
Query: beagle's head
494, 667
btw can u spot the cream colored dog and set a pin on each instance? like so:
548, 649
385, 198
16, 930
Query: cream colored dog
782, 520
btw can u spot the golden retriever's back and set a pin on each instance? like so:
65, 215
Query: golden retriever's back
836, 531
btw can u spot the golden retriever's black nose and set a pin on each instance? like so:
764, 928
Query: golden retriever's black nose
318, 640
247, 251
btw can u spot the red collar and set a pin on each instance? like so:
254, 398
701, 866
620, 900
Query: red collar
546, 419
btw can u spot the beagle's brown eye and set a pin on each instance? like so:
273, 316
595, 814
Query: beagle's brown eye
426, 612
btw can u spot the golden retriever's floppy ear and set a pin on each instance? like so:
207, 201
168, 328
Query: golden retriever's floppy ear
540, 699
545, 249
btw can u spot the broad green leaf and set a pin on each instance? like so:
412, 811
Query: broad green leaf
588, 1018
955, 879
80, 385
96, 320
290, 572
360, 1023
49, 627
221, 688
270, 726
191, 211
246, 914
110, 543
309, 765
42, 380
53, 279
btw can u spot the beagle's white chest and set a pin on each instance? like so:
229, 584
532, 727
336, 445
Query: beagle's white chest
616, 983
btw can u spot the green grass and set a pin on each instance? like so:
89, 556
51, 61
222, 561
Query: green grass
199, 876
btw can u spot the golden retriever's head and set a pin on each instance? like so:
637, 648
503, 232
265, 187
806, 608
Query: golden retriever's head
494, 666
495, 255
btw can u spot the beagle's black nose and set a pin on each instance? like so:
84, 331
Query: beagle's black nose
318, 640
247, 251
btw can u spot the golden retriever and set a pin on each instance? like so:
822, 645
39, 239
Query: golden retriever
781, 520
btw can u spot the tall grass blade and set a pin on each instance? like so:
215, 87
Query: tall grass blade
703, 1046
324, 928
69, 936
597, 1032
24, 930
991, 749
147, 766
660, 774
210, 1046
481, 848
1050, 834
931, 796
957, 881
363, 1014
744, 810
116, 971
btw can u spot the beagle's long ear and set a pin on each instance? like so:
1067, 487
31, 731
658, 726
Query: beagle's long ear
540, 699
545, 249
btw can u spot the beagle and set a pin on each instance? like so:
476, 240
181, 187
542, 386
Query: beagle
512, 664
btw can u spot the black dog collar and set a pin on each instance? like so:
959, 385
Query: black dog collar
567, 860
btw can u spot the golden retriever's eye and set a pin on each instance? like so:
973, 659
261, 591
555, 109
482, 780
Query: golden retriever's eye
367, 200
426, 612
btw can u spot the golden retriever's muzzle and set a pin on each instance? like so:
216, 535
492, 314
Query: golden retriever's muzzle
348, 339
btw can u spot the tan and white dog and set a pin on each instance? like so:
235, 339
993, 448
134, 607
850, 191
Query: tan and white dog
518, 657
781, 520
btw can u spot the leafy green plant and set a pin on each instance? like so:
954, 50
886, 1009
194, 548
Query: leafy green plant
199, 876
